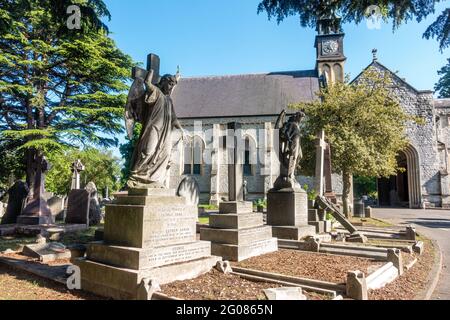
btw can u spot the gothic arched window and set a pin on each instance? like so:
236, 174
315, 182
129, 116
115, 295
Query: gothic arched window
249, 157
193, 156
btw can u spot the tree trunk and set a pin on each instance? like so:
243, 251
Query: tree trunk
346, 178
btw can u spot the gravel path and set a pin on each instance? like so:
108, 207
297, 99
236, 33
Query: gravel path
315, 266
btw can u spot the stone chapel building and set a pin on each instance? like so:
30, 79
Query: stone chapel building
205, 105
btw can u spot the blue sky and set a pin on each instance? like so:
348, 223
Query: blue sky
210, 37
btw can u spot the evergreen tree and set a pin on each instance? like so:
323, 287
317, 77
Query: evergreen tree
364, 125
59, 87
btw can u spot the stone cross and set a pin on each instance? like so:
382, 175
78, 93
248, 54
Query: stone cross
320, 157
77, 168
153, 63
235, 166
329, 193
37, 210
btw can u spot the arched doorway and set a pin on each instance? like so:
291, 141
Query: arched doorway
402, 190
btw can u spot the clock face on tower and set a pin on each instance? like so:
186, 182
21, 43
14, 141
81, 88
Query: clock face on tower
329, 47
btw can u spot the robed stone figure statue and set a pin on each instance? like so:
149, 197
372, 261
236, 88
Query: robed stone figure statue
151, 105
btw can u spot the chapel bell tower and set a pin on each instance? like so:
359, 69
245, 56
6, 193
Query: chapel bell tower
330, 48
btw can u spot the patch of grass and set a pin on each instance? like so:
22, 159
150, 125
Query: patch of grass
372, 222
209, 206
203, 220
14, 243
81, 237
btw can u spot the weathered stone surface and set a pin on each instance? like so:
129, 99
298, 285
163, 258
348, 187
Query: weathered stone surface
285, 293
411, 234
123, 284
17, 195
313, 215
224, 267
46, 252
78, 207
357, 285
241, 252
152, 192
234, 236
293, 232
95, 213
160, 223
395, 256
321, 226
419, 247
137, 259
236, 221
236, 207
287, 208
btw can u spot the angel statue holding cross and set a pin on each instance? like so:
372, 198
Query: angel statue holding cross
290, 149
149, 103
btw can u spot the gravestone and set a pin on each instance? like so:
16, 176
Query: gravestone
149, 237
56, 205
95, 213
148, 233
37, 212
78, 207
190, 190
17, 195
237, 233
287, 203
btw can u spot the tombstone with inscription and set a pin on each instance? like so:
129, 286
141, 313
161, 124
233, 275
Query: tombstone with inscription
37, 211
149, 232
287, 202
237, 233
17, 195
78, 204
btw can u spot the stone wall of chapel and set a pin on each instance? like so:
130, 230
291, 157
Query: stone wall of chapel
256, 183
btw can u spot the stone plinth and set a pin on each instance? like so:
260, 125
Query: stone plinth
287, 213
148, 234
237, 233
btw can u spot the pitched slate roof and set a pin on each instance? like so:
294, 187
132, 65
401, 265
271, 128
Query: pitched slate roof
442, 103
243, 95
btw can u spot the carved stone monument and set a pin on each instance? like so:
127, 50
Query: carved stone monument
150, 232
37, 210
77, 168
17, 195
287, 202
78, 207
237, 233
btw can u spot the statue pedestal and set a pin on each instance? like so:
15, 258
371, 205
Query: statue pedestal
237, 233
287, 213
149, 234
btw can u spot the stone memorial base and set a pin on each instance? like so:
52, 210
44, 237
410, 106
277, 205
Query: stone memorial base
149, 234
321, 226
237, 233
41, 220
287, 213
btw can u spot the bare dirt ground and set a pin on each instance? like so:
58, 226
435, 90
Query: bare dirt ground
325, 267
18, 285
218, 286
